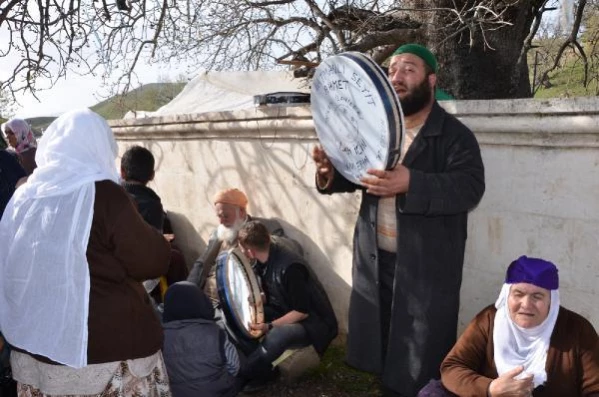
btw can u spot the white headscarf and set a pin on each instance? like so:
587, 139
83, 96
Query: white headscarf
44, 287
514, 345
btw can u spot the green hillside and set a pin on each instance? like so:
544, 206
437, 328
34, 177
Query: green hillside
40, 123
148, 97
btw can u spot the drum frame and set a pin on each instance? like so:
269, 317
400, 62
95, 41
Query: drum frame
227, 298
389, 99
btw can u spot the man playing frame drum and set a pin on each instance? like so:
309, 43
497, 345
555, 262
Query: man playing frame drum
410, 235
230, 206
297, 310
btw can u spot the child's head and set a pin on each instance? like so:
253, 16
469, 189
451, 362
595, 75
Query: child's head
137, 165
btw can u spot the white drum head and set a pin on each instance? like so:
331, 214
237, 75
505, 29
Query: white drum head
239, 293
357, 115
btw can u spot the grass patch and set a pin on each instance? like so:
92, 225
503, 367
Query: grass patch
342, 377
332, 378
567, 82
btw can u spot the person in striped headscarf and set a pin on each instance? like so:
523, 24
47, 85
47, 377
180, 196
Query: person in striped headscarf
20, 138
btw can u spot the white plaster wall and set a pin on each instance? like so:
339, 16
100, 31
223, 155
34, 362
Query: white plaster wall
541, 160
539, 202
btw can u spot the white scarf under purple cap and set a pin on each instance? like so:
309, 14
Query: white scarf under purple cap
514, 345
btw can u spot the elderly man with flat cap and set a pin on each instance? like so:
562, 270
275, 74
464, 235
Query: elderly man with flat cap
230, 206
410, 235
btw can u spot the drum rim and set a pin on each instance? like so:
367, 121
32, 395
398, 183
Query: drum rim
388, 97
226, 298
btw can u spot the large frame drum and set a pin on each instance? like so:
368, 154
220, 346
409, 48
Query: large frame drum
357, 115
239, 293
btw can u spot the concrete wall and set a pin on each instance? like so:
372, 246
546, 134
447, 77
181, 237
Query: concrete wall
541, 160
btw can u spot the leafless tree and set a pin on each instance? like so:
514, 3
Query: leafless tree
51, 38
576, 47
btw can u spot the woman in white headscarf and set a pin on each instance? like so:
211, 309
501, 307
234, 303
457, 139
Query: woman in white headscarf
20, 138
526, 344
74, 255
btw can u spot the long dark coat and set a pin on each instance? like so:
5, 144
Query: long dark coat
446, 181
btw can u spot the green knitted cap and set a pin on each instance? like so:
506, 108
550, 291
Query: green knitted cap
421, 52
441, 95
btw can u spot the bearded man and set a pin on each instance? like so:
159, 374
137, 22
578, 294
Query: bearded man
410, 235
230, 206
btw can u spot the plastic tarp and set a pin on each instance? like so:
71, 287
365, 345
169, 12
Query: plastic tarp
222, 91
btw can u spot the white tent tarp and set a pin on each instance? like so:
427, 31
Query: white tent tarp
222, 91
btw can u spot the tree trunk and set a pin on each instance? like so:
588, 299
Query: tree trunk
477, 64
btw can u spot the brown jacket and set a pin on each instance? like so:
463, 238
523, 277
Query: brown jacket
123, 250
572, 361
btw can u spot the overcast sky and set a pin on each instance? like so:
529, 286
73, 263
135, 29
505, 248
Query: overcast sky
77, 91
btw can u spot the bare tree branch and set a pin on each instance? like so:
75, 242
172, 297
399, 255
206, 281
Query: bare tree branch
269, 3
111, 38
570, 41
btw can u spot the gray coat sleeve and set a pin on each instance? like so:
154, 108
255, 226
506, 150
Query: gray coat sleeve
196, 271
195, 275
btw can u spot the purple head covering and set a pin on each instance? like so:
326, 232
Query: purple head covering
534, 271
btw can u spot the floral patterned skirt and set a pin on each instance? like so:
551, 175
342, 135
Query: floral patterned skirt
124, 381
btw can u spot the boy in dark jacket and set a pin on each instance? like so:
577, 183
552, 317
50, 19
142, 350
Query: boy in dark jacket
137, 169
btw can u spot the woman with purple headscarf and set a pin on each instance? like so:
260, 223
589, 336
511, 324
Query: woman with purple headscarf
526, 344
19, 135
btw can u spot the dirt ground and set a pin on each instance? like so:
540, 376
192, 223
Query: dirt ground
305, 389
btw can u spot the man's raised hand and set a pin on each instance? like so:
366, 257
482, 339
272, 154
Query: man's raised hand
324, 168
